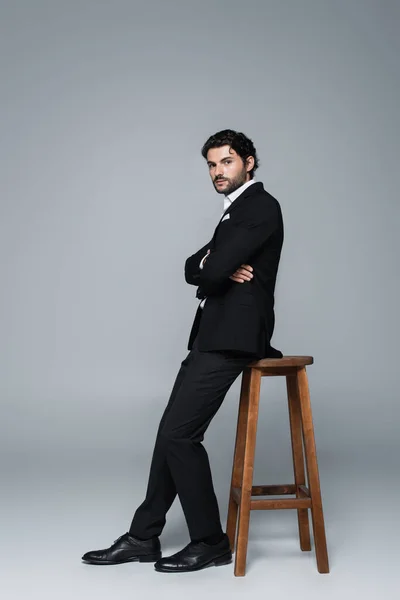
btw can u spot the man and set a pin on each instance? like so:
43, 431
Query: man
235, 275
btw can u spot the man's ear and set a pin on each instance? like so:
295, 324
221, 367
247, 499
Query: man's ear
249, 163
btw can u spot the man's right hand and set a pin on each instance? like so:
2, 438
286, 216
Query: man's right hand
242, 274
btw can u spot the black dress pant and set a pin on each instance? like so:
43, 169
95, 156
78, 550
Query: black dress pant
180, 464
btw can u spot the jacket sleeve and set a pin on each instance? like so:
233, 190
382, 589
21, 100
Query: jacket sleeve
248, 234
192, 265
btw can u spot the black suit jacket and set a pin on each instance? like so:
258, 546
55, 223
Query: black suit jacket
239, 316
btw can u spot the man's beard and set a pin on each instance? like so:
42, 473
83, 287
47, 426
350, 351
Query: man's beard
232, 185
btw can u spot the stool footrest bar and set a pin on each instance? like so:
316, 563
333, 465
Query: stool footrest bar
279, 490
304, 501
280, 503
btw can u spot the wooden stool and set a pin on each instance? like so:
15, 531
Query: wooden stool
301, 428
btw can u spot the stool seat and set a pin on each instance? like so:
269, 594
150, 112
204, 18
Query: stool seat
244, 495
285, 361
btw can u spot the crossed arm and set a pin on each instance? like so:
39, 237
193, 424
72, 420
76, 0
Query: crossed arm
229, 260
194, 266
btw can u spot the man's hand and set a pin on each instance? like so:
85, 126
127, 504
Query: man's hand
242, 274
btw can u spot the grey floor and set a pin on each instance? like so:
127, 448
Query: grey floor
54, 510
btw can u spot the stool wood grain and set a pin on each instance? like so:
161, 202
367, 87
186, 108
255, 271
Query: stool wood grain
242, 497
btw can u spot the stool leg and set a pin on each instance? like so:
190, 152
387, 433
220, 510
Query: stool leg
313, 475
237, 468
248, 467
298, 458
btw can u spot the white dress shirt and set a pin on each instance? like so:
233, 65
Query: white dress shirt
227, 202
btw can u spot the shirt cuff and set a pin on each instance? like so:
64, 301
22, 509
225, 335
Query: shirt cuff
202, 261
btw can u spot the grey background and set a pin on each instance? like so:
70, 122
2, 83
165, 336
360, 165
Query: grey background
104, 193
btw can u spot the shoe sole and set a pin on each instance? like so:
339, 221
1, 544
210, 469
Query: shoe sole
144, 558
225, 559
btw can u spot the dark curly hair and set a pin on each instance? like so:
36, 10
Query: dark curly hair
239, 142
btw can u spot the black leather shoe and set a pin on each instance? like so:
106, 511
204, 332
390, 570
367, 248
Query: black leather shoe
196, 556
125, 549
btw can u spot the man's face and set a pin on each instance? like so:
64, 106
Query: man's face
227, 170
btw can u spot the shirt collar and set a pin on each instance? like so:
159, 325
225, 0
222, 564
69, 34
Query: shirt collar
231, 197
